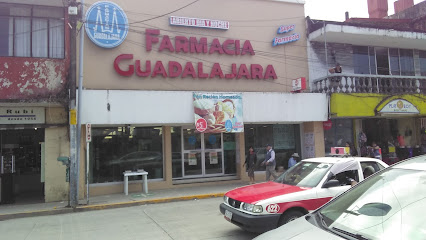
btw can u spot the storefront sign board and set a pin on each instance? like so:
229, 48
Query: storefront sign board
400, 106
106, 24
88, 132
22, 115
222, 112
198, 22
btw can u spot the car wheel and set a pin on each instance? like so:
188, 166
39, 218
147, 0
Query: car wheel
289, 216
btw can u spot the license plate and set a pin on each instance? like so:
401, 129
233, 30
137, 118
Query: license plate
228, 215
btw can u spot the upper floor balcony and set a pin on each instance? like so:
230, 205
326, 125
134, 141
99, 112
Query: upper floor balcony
361, 83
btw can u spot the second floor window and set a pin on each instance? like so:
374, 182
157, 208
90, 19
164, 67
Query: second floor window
31, 31
383, 61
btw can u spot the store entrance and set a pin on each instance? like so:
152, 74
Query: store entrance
202, 154
22, 176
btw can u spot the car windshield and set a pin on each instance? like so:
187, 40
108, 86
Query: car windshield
389, 205
304, 174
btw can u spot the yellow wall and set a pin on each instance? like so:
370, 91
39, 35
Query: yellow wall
364, 104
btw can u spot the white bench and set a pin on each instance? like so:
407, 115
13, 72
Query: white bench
144, 175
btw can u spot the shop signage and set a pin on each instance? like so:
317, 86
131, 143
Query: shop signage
198, 22
286, 28
106, 24
399, 106
221, 112
327, 125
88, 132
285, 39
22, 115
299, 84
192, 45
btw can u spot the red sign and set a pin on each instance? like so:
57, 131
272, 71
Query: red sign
327, 125
201, 125
299, 84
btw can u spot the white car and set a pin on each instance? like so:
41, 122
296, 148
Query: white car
301, 189
388, 205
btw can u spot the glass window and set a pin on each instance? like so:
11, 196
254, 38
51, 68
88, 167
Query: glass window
422, 58
284, 138
361, 60
407, 62
32, 33
382, 60
341, 132
229, 150
118, 149
394, 61
304, 174
372, 57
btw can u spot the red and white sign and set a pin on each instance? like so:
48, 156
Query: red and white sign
201, 125
88, 132
273, 208
198, 22
327, 125
299, 84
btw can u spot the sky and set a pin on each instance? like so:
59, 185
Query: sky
334, 10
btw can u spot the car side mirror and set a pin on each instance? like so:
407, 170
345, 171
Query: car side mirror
331, 183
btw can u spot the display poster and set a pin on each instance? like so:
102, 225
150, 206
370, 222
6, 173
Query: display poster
284, 137
218, 112
192, 159
309, 143
213, 158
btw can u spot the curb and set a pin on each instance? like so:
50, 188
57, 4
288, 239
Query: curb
94, 207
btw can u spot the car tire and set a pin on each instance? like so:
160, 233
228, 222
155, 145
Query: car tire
290, 216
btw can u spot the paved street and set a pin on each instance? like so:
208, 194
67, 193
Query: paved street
196, 219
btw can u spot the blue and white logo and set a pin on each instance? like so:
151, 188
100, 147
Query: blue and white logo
228, 125
106, 24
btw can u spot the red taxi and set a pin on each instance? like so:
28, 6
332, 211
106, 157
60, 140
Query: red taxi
301, 189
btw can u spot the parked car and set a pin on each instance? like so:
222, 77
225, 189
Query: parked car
387, 205
303, 188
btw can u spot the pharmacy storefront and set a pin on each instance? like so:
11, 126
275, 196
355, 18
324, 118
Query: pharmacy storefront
183, 96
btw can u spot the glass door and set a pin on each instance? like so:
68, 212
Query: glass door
213, 153
192, 153
202, 154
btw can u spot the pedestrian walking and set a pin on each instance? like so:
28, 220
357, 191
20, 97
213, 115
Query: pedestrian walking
250, 163
270, 163
293, 160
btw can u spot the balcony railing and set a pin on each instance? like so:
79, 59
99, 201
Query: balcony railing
357, 83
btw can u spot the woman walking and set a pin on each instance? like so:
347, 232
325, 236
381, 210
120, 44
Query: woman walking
250, 163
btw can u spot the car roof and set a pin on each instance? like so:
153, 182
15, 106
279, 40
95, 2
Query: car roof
334, 160
416, 163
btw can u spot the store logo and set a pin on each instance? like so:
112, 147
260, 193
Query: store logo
273, 208
400, 104
106, 24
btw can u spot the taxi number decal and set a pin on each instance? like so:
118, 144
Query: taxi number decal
273, 208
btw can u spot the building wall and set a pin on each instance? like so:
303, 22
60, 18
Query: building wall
288, 60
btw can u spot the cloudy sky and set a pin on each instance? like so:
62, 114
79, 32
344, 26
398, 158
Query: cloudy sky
335, 9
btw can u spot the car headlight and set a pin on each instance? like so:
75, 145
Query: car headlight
252, 208
225, 198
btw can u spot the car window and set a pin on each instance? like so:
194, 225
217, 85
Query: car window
347, 177
389, 205
304, 174
369, 168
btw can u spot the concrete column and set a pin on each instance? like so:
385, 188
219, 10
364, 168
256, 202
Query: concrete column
56, 144
167, 151
317, 129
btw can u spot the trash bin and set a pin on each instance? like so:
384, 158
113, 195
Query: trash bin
7, 188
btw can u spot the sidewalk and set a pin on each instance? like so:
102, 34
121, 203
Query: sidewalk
11, 211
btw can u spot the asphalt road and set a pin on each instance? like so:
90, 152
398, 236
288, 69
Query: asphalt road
195, 219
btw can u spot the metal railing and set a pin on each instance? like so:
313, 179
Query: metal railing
358, 83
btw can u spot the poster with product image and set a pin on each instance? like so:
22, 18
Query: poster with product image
213, 158
218, 112
192, 159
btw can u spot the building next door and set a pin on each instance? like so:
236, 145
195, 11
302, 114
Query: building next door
24, 182
202, 154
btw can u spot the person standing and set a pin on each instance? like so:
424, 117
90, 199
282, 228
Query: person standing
352, 150
270, 163
250, 163
293, 160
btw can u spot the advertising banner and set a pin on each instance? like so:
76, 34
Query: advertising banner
218, 112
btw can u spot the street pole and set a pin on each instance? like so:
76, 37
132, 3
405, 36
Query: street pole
74, 171
80, 97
